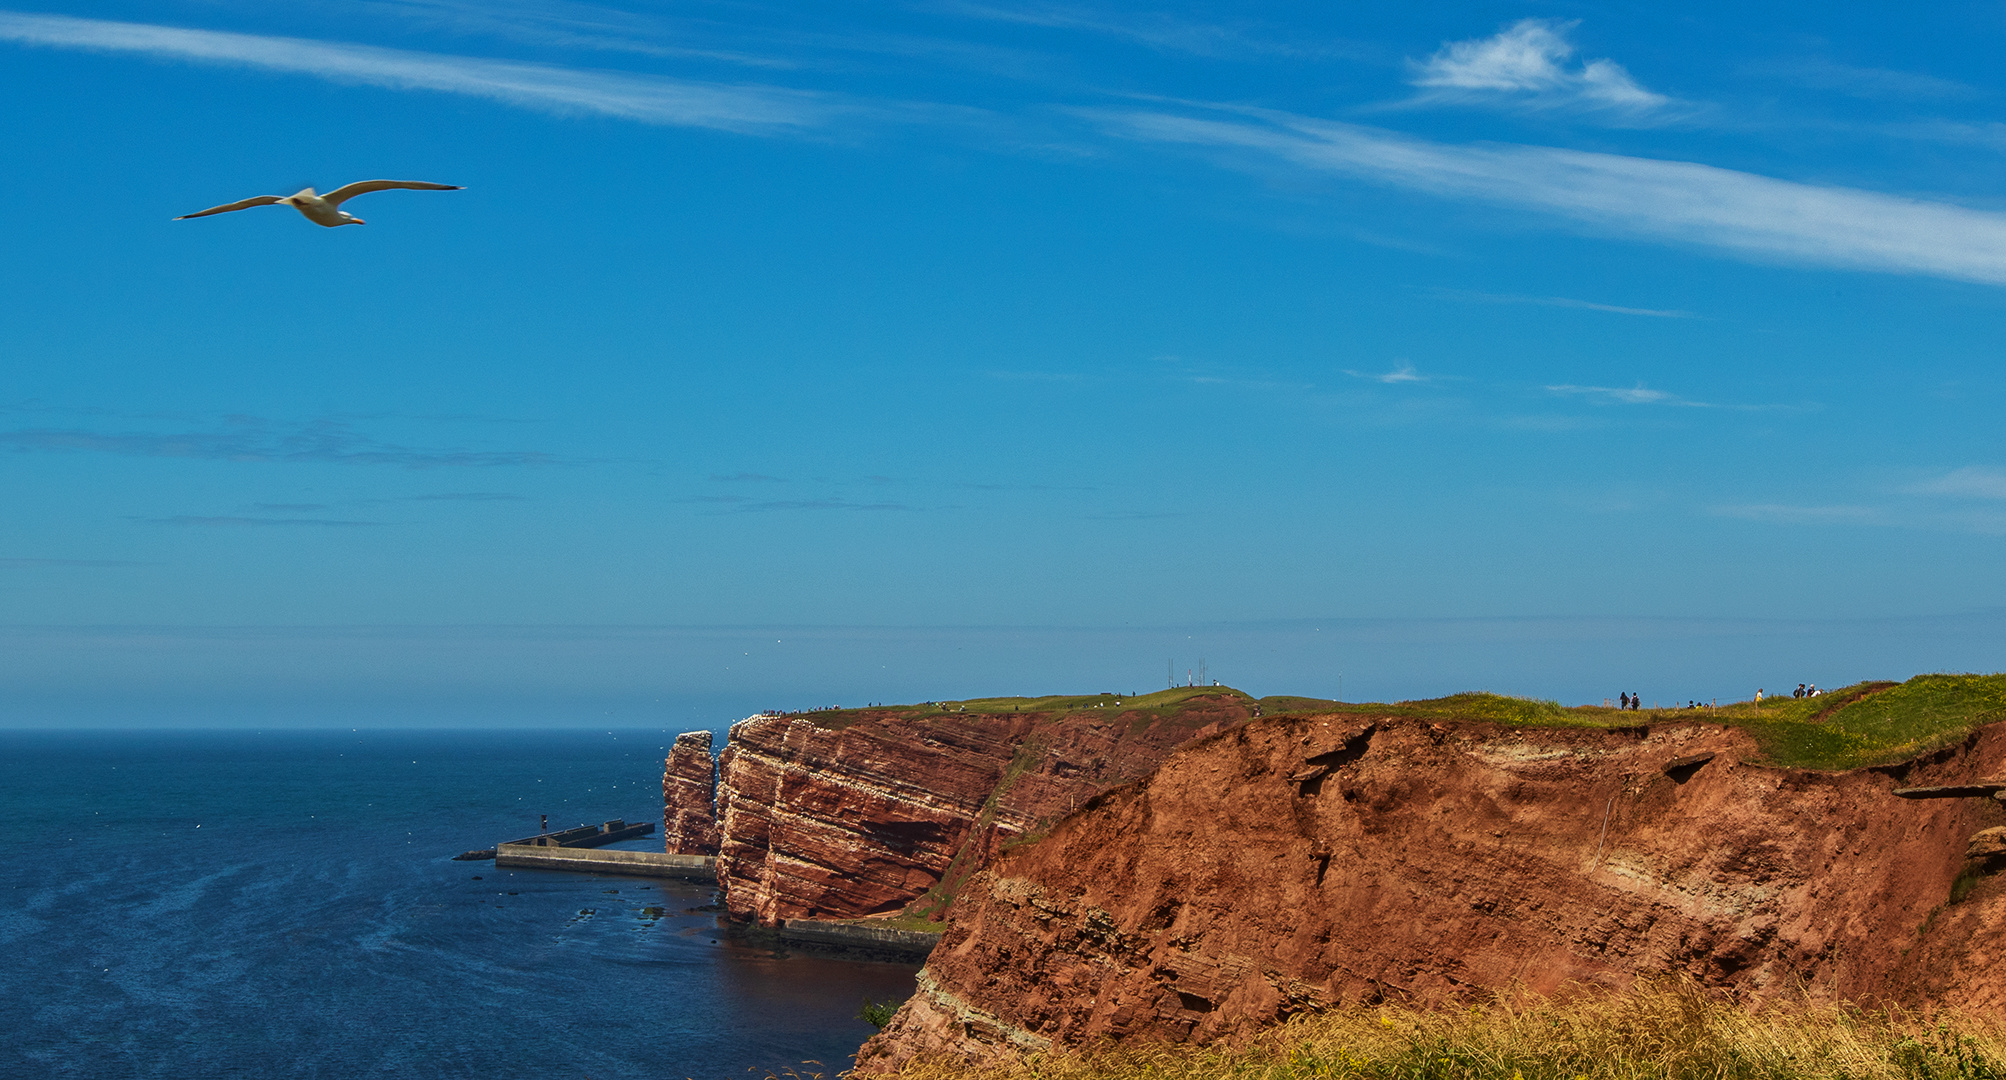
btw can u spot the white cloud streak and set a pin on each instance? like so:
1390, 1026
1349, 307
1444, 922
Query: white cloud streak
1155, 30
1985, 522
1644, 395
1784, 513
1668, 201
541, 87
1969, 482
15, 564
1403, 372
1566, 302
1525, 64
1634, 395
1865, 82
564, 25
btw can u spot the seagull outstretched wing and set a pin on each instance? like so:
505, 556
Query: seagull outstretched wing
246, 204
364, 187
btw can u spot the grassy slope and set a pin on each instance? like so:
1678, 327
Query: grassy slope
1672, 1031
1160, 703
1868, 723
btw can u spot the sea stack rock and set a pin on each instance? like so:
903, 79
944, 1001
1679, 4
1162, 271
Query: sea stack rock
689, 794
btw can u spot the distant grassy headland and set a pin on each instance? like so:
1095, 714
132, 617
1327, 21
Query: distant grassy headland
1867, 723
1669, 1031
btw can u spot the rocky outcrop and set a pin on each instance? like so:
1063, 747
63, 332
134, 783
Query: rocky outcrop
1987, 845
1293, 863
689, 793
869, 813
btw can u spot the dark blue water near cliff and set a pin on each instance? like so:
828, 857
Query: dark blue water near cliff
233, 904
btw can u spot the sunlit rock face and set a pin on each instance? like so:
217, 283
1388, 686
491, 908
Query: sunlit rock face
1297, 862
689, 792
864, 812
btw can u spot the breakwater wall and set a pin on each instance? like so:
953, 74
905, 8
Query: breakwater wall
599, 861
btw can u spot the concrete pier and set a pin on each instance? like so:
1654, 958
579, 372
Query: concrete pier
586, 836
654, 864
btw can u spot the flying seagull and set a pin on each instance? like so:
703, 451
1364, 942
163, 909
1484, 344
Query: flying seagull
323, 209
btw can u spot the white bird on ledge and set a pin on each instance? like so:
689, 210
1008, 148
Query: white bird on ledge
324, 209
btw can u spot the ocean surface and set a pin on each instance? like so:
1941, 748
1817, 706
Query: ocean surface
208, 904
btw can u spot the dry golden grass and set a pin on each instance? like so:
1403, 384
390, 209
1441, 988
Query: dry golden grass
1671, 1030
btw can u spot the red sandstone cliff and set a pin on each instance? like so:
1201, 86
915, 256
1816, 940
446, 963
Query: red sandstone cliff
1292, 863
867, 811
689, 788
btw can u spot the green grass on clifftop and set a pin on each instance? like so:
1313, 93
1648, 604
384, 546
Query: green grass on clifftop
1867, 723
1875, 722
1160, 703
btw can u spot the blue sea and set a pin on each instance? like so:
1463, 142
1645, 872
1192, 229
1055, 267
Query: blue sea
210, 904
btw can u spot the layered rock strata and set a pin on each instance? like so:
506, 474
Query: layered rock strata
1293, 863
872, 813
689, 792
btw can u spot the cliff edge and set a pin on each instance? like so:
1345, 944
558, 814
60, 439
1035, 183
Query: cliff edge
881, 812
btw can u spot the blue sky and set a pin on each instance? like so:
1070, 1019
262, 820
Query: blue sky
964, 348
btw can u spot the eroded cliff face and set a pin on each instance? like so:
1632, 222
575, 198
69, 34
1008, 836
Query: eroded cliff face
897, 807
689, 789
1293, 863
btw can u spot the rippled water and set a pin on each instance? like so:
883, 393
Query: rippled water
210, 904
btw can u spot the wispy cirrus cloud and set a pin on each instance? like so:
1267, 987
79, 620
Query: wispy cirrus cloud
1969, 482
566, 25
465, 496
1154, 29
741, 504
1403, 372
1803, 515
1963, 500
1674, 202
1564, 302
202, 521
1527, 64
317, 442
541, 87
1038, 376
759, 43
1634, 395
449, 496
25, 564
1985, 521
1871, 83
